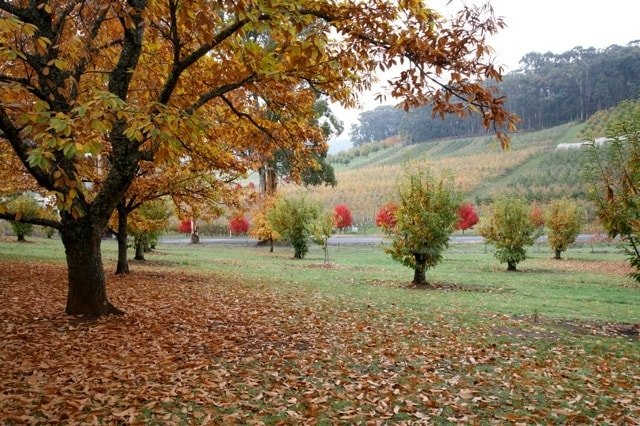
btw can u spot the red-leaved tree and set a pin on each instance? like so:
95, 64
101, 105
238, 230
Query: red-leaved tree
342, 217
467, 217
185, 227
238, 225
386, 217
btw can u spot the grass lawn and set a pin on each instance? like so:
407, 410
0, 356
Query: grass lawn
235, 334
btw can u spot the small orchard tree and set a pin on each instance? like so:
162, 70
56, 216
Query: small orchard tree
146, 224
613, 176
294, 219
386, 218
564, 220
536, 215
426, 217
238, 224
510, 229
262, 228
467, 217
323, 228
342, 217
185, 226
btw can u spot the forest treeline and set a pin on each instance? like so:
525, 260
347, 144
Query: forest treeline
549, 89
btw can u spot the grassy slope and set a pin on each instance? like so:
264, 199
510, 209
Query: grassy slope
531, 168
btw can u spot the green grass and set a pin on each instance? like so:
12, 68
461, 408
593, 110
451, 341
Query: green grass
258, 336
365, 275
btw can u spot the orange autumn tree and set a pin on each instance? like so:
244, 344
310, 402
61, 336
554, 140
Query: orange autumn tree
118, 84
199, 190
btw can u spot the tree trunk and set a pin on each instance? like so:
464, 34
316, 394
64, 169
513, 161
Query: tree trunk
511, 266
271, 245
195, 235
419, 271
326, 249
87, 292
139, 249
558, 254
268, 179
123, 263
21, 237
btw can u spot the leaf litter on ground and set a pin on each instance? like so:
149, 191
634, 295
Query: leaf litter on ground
200, 349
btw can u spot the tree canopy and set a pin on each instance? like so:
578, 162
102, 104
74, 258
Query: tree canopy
92, 91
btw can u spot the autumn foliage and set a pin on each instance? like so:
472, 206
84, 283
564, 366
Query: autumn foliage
184, 227
239, 225
510, 229
342, 217
467, 217
536, 215
386, 218
426, 217
564, 220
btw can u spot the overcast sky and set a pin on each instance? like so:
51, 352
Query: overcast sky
538, 26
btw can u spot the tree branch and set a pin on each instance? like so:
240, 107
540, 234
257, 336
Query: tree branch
12, 134
180, 66
26, 83
218, 92
34, 220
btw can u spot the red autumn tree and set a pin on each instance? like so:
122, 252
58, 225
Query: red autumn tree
386, 217
238, 225
342, 217
185, 227
467, 217
536, 216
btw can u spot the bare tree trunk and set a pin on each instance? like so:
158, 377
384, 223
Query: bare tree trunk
87, 292
558, 254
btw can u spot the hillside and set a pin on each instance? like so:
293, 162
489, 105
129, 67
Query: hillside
481, 170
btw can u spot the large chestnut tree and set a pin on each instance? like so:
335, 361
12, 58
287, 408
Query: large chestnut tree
91, 91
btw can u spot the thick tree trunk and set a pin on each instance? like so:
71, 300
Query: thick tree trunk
511, 266
87, 292
558, 254
139, 250
21, 237
419, 271
123, 263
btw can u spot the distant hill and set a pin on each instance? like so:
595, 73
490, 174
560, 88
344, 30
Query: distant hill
549, 90
367, 175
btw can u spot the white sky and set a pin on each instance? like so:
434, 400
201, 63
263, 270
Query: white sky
537, 26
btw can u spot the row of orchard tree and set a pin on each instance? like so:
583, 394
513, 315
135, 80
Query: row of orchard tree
424, 219
421, 224
429, 208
